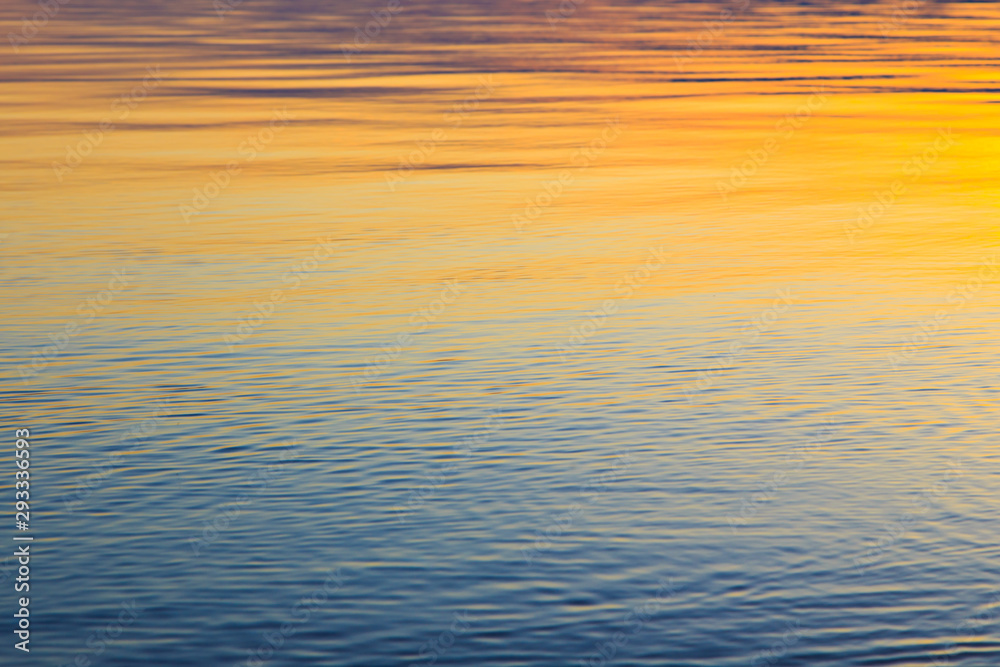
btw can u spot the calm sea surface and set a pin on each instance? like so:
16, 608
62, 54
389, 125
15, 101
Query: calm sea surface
503, 333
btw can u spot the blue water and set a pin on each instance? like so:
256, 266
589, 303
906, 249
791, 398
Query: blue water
528, 478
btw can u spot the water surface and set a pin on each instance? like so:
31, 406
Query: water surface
580, 313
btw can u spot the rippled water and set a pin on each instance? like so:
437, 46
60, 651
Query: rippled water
517, 333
